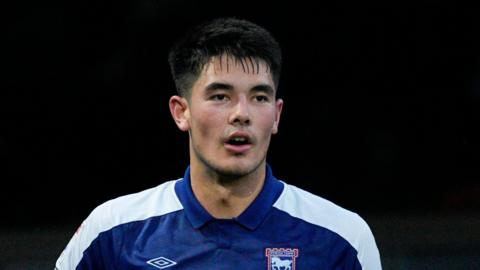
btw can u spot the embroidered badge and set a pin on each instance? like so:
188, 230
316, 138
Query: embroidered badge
281, 258
161, 262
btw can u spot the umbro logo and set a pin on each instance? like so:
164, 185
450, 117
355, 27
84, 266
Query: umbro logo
161, 262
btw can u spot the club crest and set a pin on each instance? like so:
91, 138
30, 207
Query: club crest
281, 258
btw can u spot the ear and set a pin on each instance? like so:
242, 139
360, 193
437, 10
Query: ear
180, 112
278, 112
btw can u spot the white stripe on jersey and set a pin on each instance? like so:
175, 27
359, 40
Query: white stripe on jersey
318, 211
152, 202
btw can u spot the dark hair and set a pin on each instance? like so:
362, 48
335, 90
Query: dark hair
233, 37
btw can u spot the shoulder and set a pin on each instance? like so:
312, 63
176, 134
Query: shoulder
323, 213
156, 201
152, 202
315, 209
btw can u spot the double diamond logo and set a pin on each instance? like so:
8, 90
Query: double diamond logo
161, 262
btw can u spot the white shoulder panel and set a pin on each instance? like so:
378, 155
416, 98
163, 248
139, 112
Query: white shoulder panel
152, 202
318, 211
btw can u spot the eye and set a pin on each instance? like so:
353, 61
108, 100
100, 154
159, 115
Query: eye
262, 98
218, 97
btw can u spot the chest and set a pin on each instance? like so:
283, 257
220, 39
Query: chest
174, 244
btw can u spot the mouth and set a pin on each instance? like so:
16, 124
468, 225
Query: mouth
238, 143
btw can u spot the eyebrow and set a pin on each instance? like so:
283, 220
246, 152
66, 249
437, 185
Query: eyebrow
267, 89
216, 86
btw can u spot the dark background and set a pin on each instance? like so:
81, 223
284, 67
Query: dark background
381, 112
381, 104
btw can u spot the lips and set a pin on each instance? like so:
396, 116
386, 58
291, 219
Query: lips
238, 142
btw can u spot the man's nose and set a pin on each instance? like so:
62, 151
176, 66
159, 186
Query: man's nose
240, 113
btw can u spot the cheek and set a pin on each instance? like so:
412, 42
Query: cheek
266, 126
206, 122
269, 120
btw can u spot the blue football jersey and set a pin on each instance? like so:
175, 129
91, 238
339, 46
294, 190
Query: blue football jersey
285, 228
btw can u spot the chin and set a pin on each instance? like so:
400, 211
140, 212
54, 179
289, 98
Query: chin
230, 167
234, 170
237, 169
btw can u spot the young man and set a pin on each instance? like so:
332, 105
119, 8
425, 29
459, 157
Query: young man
228, 211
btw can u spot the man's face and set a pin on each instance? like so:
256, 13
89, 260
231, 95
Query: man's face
231, 115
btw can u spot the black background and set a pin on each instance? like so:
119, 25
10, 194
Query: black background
381, 112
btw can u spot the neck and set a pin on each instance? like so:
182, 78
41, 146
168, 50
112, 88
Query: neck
225, 198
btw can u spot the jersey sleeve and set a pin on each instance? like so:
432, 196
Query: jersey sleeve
85, 248
368, 253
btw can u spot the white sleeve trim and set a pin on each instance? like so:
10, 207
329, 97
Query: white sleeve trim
152, 202
318, 211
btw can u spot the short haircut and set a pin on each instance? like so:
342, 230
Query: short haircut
240, 39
